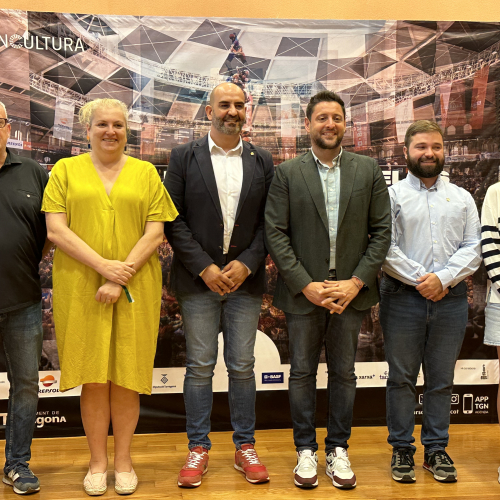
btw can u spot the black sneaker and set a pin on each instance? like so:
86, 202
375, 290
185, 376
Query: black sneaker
402, 465
441, 465
22, 480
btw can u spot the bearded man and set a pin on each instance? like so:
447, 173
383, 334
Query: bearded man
219, 185
328, 229
423, 307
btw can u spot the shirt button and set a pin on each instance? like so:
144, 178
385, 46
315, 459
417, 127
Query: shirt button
432, 206
435, 260
435, 241
433, 223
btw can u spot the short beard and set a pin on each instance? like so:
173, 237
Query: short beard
219, 124
418, 171
324, 145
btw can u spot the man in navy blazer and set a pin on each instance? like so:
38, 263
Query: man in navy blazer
219, 185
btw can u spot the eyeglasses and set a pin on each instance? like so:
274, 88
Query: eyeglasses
3, 122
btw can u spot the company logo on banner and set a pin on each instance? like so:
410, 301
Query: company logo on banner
14, 144
473, 403
49, 417
48, 385
162, 380
476, 371
41, 43
273, 378
63, 120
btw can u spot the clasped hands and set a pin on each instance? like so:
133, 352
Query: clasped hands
333, 295
117, 274
431, 288
227, 280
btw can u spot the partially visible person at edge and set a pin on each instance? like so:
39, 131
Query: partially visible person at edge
423, 304
328, 229
490, 240
22, 246
219, 184
105, 212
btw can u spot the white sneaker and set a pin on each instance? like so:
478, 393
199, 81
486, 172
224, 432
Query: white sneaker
306, 472
338, 468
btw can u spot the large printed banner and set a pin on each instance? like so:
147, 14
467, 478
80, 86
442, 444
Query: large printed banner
389, 73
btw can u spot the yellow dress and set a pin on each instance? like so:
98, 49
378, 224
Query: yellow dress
98, 342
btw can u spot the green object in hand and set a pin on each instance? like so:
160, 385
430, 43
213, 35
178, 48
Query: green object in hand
127, 293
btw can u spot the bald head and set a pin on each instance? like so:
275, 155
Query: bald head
222, 88
4, 109
226, 111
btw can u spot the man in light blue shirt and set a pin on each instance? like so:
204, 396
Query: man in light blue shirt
423, 307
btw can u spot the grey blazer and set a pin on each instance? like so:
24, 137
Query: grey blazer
297, 236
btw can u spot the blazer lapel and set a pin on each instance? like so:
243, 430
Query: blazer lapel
248, 160
348, 169
313, 182
202, 154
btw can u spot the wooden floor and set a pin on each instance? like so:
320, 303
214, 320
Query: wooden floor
61, 465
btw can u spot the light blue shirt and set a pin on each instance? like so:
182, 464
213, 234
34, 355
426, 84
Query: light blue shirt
434, 230
330, 181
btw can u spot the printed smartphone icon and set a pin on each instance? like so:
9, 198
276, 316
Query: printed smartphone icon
468, 400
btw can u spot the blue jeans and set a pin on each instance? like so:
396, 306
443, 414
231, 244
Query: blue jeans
307, 334
21, 336
418, 332
203, 315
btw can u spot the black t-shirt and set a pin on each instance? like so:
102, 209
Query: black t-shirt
22, 231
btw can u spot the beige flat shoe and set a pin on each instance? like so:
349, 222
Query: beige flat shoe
95, 484
125, 482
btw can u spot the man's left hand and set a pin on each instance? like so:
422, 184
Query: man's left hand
348, 287
430, 286
237, 272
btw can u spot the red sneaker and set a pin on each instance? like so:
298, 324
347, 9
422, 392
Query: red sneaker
196, 465
247, 461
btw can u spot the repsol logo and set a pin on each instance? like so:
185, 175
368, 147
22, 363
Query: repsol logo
42, 43
47, 391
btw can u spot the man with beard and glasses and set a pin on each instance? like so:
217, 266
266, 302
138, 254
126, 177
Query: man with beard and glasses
423, 307
219, 186
328, 229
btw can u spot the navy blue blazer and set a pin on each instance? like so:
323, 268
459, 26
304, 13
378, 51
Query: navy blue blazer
197, 234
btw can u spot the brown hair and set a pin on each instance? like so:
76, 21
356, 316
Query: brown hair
421, 127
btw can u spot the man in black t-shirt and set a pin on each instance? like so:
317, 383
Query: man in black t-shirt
22, 245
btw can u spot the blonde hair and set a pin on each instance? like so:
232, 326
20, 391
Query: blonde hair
87, 112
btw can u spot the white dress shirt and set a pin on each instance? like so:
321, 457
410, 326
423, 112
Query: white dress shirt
330, 181
228, 171
434, 230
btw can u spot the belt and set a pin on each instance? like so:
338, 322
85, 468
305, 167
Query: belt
411, 287
332, 275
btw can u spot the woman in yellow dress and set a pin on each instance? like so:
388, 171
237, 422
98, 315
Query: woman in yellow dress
105, 213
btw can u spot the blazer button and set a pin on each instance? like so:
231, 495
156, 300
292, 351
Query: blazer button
220, 247
327, 261
221, 225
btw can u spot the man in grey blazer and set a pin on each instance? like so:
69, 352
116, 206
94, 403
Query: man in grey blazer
328, 230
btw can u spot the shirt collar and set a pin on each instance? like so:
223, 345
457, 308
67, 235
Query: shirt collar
11, 159
214, 149
335, 161
416, 183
